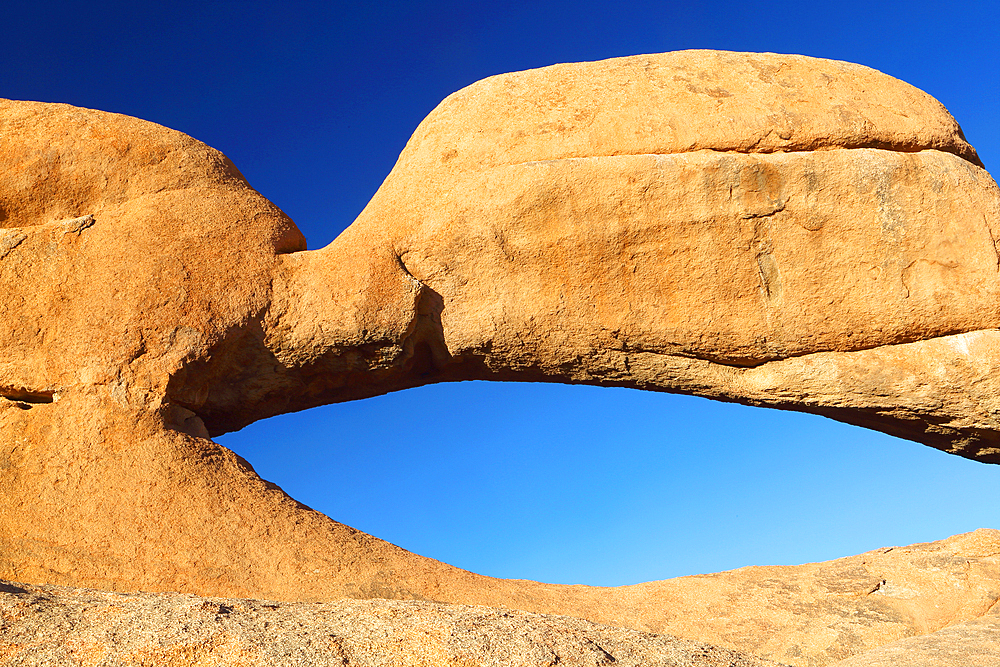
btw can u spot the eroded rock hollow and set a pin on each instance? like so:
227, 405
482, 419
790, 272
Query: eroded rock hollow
776, 230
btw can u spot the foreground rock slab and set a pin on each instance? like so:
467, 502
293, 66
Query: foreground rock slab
821, 613
971, 644
806, 616
50, 625
53, 625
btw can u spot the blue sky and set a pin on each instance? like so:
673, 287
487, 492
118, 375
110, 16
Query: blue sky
314, 100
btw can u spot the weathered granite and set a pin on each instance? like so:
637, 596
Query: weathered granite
51, 625
770, 229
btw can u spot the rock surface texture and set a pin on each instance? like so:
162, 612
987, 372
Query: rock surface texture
970, 644
776, 230
882, 610
53, 625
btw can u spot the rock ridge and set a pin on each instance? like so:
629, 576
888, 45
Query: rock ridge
718, 99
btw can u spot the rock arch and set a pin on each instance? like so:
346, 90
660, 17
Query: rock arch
776, 230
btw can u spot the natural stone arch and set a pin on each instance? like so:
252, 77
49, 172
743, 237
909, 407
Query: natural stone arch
700, 222
774, 230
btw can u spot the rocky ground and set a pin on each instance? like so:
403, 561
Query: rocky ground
53, 625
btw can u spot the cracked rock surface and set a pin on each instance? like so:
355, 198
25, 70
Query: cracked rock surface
776, 230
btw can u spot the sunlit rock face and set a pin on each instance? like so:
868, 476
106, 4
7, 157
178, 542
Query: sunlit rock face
50, 625
770, 229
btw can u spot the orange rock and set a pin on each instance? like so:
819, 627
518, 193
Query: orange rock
969, 644
926, 604
775, 230
54, 625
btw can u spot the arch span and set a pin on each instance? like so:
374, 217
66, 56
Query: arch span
775, 230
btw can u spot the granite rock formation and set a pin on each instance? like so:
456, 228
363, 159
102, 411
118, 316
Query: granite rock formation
970, 644
46, 625
776, 230
928, 605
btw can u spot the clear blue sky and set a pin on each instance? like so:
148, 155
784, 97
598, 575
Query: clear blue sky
314, 101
